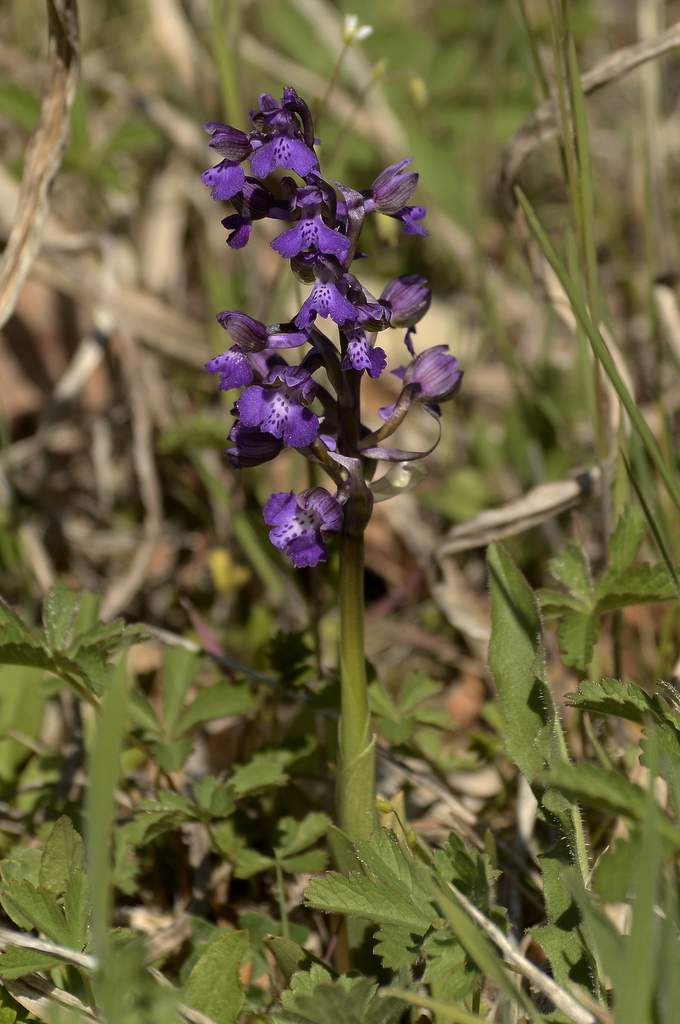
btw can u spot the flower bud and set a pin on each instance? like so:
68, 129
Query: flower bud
250, 335
234, 145
392, 189
437, 374
407, 299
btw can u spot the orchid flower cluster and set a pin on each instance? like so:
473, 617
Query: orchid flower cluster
283, 405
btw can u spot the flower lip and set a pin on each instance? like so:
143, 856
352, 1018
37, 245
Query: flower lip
300, 522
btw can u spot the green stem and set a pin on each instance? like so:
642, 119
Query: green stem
281, 896
356, 776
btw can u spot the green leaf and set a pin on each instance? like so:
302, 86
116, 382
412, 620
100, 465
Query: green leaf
217, 701
397, 946
77, 909
316, 998
560, 938
624, 544
155, 817
449, 972
171, 756
305, 863
611, 697
59, 613
63, 855
516, 659
180, 667
22, 700
214, 796
265, 770
214, 986
31, 907
600, 788
249, 862
577, 634
637, 585
295, 836
13, 629
15, 962
572, 568
387, 891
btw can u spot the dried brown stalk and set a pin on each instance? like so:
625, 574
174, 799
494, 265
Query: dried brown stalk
45, 152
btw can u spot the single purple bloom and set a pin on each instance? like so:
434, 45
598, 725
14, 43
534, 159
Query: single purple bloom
361, 355
251, 447
300, 523
233, 144
311, 232
225, 179
392, 189
327, 300
436, 375
234, 368
410, 216
283, 151
407, 299
276, 406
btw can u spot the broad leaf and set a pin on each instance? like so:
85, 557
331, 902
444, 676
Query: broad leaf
217, 701
214, 985
63, 855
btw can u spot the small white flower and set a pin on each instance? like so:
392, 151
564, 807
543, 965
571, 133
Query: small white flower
353, 32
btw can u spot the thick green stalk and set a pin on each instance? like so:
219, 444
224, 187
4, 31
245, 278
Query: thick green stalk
356, 776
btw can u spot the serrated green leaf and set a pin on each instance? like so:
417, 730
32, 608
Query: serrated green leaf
516, 659
396, 946
179, 671
637, 585
449, 972
59, 613
265, 770
64, 854
316, 998
612, 697
217, 701
295, 836
155, 817
417, 688
15, 963
387, 890
214, 985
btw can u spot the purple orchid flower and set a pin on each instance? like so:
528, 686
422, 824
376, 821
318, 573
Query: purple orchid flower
311, 232
300, 523
362, 355
323, 224
278, 407
327, 300
227, 177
